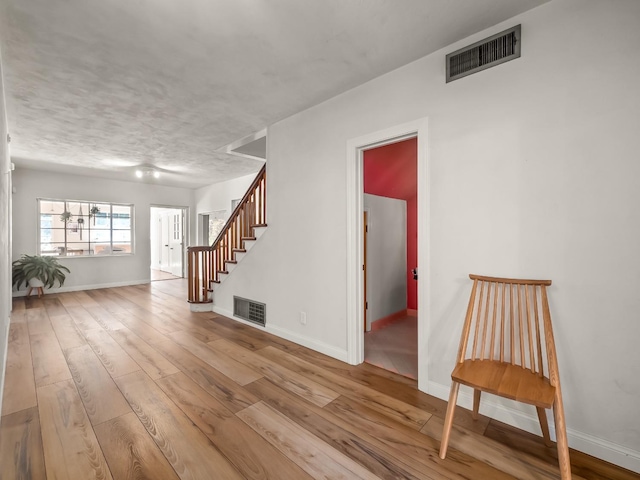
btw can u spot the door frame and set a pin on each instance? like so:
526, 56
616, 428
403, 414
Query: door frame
355, 237
185, 230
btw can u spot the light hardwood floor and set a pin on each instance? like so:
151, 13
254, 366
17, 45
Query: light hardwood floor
127, 383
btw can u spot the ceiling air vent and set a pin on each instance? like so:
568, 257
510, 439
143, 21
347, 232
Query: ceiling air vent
255, 312
484, 54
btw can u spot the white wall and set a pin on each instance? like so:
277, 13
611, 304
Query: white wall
219, 195
5, 237
154, 238
533, 172
386, 256
92, 272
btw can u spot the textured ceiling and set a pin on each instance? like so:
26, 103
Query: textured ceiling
99, 87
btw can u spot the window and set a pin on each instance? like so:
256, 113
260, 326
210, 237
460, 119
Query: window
77, 228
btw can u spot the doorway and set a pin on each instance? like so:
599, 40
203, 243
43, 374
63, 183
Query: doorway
390, 257
167, 234
355, 237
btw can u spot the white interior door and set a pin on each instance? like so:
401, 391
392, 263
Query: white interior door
165, 258
175, 242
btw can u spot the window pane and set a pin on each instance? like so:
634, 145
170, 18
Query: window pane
122, 248
122, 236
46, 221
53, 249
101, 221
52, 235
51, 207
75, 249
100, 236
101, 248
78, 208
57, 220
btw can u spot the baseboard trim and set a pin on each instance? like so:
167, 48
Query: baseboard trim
321, 347
584, 442
77, 288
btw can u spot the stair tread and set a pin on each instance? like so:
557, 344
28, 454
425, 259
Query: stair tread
240, 250
249, 238
259, 225
230, 261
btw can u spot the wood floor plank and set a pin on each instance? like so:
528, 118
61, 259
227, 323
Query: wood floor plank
406, 441
84, 299
402, 412
252, 455
68, 299
239, 337
19, 383
71, 449
190, 452
203, 409
38, 321
104, 318
301, 385
223, 389
157, 320
101, 398
154, 364
145, 331
49, 364
518, 464
225, 364
102, 298
257, 334
249, 452
131, 452
53, 305
17, 305
377, 457
113, 357
399, 387
198, 331
21, 454
68, 333
581, 464
306, 450
83, 319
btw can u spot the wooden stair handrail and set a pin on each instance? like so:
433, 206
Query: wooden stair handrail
261, 174
207, 262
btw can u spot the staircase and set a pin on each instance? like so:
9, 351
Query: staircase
210, 265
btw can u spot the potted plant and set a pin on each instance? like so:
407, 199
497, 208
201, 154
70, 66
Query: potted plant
66, 216
95, 210
37, 271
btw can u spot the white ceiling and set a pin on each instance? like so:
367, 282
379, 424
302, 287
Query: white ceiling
99, 87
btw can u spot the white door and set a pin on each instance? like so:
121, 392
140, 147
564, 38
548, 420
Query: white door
165, 259
175, 243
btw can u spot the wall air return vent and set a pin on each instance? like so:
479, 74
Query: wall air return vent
255, 312
484, 54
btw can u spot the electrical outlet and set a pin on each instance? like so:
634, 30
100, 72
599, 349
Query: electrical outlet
303, 318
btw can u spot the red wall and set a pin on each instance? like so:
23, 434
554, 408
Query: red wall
391, 171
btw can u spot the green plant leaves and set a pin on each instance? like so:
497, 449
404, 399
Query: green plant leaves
46, 269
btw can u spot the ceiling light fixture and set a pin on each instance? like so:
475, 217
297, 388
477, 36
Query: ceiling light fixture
147, 172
